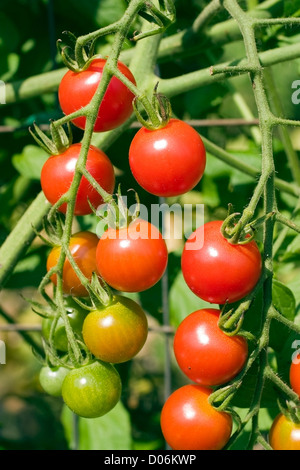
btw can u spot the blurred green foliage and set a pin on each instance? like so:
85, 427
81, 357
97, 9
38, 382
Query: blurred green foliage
28, 418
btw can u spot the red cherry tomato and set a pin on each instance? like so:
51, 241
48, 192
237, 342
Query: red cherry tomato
189, 422
167, 161
83, 246
58, 173
217, 271
204, 353
295, 376
284, 434
132, 259
77, 89
116, 332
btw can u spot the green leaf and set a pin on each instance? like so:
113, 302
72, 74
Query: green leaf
284, 300
245, 393
29, 163
111, 431
11, 66
183, 301
266, 418
210, 192
29, 270
285, 303
294, 285
293, 249
97, 12
291, 8
9, 35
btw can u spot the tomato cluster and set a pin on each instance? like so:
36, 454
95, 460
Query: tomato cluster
167, 161
218, 272
113, 332
209, 358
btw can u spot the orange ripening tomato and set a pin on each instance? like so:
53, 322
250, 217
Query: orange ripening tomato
116, 332
133, 258
284, 434
83, 246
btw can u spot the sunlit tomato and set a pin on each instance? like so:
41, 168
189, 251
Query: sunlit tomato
284, 434
51, 379
189, 422
132, 259
167, 161
204, 353
77, 89
117, 332
58, 173
76, 316
217, 271
295, 376
83, 246
92, 390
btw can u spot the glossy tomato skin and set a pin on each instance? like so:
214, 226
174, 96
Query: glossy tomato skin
83, 246
284, 434
77, 89
117, 332
92, 390
189, 422
169, 161
295, 376
76, 317
51, 379
217, 271
204, 353
132, 259
58, 173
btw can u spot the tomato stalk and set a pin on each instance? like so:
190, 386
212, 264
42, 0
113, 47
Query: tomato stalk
265, 189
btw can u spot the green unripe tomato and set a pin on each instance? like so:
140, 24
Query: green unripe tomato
92, 390
51, 379
76, 317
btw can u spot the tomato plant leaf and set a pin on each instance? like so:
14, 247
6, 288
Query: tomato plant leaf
284, 300
183, 301
293, 249
290, 7
29, 163
285, 303
111, 431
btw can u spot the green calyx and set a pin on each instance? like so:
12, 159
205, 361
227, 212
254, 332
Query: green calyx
76, 59
159, 111
59, 141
